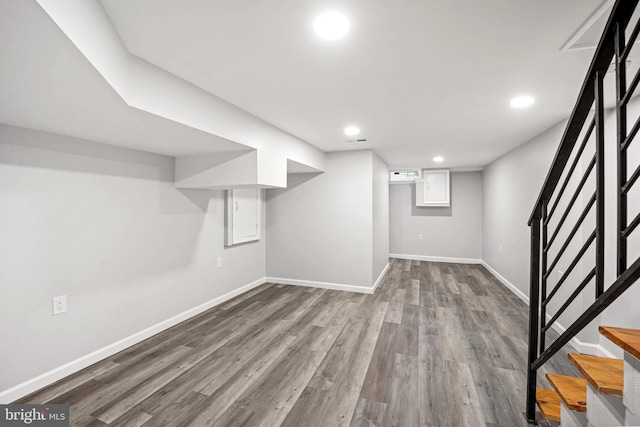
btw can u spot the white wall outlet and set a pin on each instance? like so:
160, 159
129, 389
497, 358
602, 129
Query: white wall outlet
59, 305
500, 247
420, 236
219, 262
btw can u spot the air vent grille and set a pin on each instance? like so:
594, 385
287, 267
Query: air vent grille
406, 175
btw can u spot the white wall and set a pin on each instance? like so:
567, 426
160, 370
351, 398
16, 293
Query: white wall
624, 312
319, 228
149, 88
380, 211
453, 232
511, 185
106, 227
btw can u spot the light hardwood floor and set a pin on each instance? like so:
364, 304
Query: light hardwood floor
436, 345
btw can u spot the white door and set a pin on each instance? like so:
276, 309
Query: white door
243, 216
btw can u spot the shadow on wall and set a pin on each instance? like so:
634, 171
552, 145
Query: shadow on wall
78, 155
427, 211
52, 151
113, 210
293, 181
200, 198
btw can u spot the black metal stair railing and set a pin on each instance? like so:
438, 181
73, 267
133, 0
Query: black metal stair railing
545, 237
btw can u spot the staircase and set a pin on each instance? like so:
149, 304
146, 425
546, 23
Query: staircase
569, 219
609, 393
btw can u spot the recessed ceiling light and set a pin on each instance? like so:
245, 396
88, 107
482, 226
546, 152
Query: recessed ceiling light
438, 159
522, 101
351, 130
331, 25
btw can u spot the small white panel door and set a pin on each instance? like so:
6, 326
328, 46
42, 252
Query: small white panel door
243, 216
436, 188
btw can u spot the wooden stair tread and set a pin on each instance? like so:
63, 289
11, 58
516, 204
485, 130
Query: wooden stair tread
572, 391
627, 339
549, 404
606, 375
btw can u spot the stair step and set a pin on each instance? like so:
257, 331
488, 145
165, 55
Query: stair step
606, 375
572, 391
549, 404
627, 339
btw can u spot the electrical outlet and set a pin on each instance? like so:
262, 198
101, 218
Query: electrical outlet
219, 262
59, 305
500, 247
420, 236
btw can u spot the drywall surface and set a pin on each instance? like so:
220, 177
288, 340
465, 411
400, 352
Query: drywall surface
624, 312
380, 212
319, 228
454, 232
510, 187
149, 88
104, 226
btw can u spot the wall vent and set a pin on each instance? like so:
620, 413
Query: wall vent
404, 176
358, 140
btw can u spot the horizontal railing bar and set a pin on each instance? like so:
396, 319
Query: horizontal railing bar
592, 125
632, 226
573, 264
629, 139
631, 89
584, 213
634, 177
620, 14
573, 199
630, 42
624, 281
574, 230
569, 300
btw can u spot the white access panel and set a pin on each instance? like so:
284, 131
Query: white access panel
434, 189
242, 216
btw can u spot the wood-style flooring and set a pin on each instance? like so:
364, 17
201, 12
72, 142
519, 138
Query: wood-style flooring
435, 345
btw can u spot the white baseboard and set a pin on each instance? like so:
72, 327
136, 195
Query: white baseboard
437, 258
334, 286
34, 384
322, 285
507, 283
583, 346
580, 346
381, 277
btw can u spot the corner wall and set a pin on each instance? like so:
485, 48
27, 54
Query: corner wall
319, 228
106, 227
511, 185
380, 210
453, 232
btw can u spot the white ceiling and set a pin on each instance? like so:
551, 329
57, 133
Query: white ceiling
47, 84
420, 77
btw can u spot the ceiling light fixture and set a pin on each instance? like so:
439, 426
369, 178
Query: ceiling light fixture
438, 159
522, 101
331, 25
351, 130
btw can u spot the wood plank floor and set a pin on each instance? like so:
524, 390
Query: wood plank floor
436, 345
